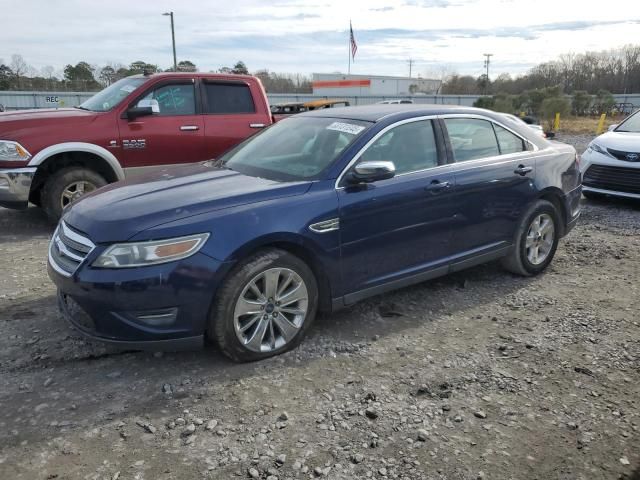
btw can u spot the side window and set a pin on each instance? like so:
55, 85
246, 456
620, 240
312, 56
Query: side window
174, 99
228, 98
410, 147
509, 142
471, 138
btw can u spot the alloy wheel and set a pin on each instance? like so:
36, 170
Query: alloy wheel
75, 190
540, 238
271, 310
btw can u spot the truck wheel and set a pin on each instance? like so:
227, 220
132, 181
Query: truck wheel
65, 187
264, 307
536, 240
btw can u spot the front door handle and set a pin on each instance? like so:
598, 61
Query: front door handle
257, 125
522, 170
189, 128
436, 186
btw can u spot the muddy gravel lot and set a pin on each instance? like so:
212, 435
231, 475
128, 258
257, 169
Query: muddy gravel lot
479, 375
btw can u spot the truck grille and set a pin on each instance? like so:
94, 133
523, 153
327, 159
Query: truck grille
68, 249
619, 179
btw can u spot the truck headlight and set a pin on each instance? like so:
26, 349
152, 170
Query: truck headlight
13, 151
141, 254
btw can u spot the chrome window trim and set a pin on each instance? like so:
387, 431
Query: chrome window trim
357, 156
489, 119
477, 161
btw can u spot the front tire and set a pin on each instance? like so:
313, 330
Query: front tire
536, 240
264, 307
65, 187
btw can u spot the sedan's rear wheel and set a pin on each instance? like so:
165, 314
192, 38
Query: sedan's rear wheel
536, 240
264, 307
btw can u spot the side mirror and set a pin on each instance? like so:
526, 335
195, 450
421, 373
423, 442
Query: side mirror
143, 108
612, 127
367, 172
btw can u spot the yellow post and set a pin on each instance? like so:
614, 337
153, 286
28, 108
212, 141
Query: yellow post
601, 124
556, 123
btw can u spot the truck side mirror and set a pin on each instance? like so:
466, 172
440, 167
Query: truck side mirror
143, 108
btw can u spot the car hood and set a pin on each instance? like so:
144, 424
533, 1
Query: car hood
625, 141
20, 124
121, 210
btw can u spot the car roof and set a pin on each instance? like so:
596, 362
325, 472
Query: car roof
378, 112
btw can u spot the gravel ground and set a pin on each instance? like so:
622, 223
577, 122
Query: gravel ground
476, 375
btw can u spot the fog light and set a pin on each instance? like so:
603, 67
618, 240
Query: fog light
156, 318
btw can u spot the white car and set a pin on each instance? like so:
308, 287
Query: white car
611, 163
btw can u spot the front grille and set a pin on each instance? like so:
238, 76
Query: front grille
68, 249
626, 156
619, 179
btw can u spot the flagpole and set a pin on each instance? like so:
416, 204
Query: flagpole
349, 47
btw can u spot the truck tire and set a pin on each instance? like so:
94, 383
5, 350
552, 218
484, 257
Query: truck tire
65, 186
536, 240
264, 307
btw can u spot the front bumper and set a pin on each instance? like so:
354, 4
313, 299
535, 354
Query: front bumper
162, 307
610, 176
15, 186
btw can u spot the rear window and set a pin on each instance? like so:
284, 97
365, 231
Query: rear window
228, 98
509, 143
471, 138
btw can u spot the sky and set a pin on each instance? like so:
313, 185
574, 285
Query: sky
305, 36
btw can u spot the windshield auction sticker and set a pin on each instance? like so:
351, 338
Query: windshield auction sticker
346, 128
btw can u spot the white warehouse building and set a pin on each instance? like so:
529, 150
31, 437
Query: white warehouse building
341, 85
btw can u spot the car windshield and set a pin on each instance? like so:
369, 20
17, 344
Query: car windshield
111, 96
297, 148
631, 124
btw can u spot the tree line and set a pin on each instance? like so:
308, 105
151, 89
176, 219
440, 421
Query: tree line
17, 74
616, 71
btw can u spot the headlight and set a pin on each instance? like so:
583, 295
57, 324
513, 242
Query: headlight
594, 146
140, 254
13, 151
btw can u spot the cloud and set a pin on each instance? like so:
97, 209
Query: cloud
306, 36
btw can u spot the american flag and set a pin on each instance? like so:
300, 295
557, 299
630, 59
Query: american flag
354, 46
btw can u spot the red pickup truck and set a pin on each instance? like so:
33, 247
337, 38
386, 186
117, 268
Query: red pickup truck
51, 157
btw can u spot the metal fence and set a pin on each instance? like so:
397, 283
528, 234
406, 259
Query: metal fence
29, 100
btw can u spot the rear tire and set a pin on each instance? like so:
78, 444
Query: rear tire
536, 241
65, 186
251, 319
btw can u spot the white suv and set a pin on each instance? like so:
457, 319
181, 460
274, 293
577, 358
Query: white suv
611, 163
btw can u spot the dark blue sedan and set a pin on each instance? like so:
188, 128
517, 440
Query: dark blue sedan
319, 211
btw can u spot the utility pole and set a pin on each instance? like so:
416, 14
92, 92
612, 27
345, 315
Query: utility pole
173, 41
487, 61
410, 62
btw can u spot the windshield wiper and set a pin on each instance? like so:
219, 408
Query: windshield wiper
80, 107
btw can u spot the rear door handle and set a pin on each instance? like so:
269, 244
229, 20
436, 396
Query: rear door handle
436, 186
522, 170
257, 125
189, 128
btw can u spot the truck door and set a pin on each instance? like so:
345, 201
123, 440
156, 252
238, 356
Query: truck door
231, 114
175, 135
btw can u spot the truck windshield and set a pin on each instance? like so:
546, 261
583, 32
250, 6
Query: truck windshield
297, 148
111, 96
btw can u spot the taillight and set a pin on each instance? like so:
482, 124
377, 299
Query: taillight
577, 159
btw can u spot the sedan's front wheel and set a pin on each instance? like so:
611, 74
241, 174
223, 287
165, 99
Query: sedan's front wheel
264, 307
